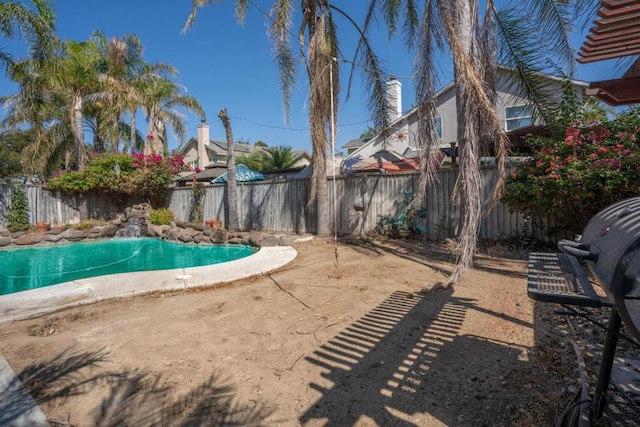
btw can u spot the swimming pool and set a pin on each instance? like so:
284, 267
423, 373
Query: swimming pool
30, 268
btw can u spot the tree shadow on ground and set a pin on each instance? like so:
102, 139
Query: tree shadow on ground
401, 364
135, 397
139, 399
433, 258
62, 376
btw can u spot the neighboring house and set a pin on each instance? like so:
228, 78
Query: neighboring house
203, 152
333, 166
210, 156
517, 114
354, 144
303, 159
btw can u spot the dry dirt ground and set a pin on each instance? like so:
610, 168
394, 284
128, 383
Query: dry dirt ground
362, 342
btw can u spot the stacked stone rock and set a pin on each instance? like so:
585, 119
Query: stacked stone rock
188, 233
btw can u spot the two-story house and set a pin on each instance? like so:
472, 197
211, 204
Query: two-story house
517, 113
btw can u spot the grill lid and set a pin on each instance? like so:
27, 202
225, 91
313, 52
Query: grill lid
610, 244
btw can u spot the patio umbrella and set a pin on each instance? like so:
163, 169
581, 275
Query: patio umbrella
382, 161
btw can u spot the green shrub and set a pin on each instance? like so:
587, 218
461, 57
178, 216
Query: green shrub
161, 216
18, 213
572, 179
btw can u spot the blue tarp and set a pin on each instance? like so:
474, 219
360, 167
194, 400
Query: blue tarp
243, 173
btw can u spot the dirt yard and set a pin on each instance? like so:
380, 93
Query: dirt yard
364, 341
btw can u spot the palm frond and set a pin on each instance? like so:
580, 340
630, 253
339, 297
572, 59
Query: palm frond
241, 10
429, 43
526, 61
279, 34
36, 27
584, 11
374, 77
195, 5
553, 20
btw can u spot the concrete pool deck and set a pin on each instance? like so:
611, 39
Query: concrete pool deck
36, 302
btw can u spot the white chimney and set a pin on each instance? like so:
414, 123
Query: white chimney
203, 141
394, 98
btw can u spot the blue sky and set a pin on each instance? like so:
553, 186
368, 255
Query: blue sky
227, 65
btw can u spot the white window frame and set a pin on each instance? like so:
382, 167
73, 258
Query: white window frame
517, 119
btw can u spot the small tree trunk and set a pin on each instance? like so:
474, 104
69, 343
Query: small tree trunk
232, 186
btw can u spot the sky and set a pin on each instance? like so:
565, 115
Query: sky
226, 65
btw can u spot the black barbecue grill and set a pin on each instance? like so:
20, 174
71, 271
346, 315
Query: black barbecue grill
610, 248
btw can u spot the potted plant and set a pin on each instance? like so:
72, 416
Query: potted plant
404, 231
406, 220
216, 224
42, 227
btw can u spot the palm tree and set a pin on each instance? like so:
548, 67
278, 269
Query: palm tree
369, 133
162, 101
319, 48
278, 159
126, 80
523, 38
52, 99
42, 107
37, 27
74, 77
137, 89
121, 67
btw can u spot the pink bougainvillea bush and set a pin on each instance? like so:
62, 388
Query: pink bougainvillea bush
121, 175
575, 177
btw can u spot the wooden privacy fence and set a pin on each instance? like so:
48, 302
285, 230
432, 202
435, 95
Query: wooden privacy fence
281, 206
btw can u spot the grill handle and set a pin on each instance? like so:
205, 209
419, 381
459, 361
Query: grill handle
577, 249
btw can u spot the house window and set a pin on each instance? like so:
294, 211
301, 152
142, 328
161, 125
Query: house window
519, 117
439, 127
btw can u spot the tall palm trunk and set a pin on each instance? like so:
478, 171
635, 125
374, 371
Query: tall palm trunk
155, 135
319, 116
468, 191
321, 192
132, 137
232, 186
78, 135
76, 127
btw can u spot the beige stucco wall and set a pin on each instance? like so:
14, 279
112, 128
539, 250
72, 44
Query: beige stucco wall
404, 130
191, 154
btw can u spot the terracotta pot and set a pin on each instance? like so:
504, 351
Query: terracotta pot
42, 227
216, 224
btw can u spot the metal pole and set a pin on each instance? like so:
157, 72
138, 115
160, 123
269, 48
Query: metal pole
606, 364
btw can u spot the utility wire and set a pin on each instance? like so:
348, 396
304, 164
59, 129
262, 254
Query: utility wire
292, 129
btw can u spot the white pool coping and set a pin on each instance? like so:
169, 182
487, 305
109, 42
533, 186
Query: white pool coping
36, 302
17, 407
